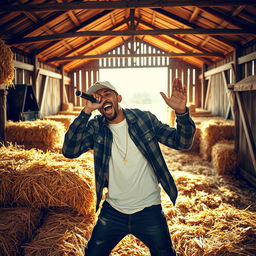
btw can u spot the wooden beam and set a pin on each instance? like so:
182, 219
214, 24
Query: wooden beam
247, 130
197, 31
109, 56
208, 93
223, 17
176, 38
29, 67
192, 25
250, 177
53, 7
247, 58
42, 100
229, 95
3, 107
218, 69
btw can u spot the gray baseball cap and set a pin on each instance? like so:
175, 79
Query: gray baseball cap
100, 85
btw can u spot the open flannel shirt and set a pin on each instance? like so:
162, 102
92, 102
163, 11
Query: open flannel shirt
145, 130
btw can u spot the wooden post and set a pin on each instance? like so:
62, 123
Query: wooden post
204, 85
237, 77
62, 85
3, 93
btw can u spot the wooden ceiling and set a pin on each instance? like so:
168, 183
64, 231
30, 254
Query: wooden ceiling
72, 33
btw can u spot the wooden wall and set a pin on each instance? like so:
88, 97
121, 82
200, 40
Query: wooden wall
223, 93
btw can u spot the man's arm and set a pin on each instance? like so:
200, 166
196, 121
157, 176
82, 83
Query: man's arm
78, 138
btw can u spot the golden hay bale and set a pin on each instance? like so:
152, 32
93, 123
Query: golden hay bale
201, 113
41, 134
78, 108
213, 131
130, 246
6, 65
171, 118
64, 119
69, 113
40, 181
16, 227
222, 231
192, 108
67, 106
224, 156
62, 234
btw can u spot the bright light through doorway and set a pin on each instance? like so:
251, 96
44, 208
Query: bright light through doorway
140, 88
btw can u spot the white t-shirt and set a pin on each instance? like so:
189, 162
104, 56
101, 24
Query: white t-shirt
132, 183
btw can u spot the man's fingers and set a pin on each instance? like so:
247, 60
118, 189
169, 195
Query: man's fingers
164, 96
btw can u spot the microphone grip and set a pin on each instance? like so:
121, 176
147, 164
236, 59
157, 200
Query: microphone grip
86, 96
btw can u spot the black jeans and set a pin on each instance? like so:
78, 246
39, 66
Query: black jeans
149, 225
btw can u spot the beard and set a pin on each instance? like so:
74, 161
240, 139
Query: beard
113, 117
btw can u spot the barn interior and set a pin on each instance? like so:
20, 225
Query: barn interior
49, 49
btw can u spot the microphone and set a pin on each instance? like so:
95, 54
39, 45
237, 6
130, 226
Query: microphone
86, 96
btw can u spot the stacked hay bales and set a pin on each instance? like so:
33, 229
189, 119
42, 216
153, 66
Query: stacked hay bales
224, 157
67, 107
40, 134
61, 234
213, 131
16, 227
51, 184
69, 113
36, 180
64, 119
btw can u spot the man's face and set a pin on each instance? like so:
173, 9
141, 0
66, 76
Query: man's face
110, 107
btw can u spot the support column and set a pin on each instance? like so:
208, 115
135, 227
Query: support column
3, 110
204, 85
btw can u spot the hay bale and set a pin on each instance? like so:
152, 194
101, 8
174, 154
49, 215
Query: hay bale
78, 108
222, 231
6, 65
67, 107
40, 134
39, 181
62, 234
69, 113
213, 131
201, 113
64, 119
192, 108
224, 156
16, 227
171, 117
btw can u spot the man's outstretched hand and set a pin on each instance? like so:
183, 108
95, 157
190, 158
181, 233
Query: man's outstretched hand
178, 99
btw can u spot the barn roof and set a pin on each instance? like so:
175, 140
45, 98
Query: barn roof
72, 33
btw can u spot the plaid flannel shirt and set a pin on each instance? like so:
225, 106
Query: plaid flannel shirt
145, 130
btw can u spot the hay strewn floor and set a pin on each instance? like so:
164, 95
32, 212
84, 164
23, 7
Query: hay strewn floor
214, 215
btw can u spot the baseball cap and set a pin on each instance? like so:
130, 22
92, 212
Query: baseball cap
100, 85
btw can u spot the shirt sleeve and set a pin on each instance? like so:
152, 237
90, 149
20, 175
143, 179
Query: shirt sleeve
180, 137
79, 137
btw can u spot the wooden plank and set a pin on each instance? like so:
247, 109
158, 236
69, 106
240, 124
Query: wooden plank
3, 108
52, 7
248, 176
29, 67
45, 85
228, 96
247, 58
208, 92
219, 69
179, 31
247, 129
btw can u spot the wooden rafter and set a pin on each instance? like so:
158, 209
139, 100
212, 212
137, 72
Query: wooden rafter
118, 5
191, 25
82, 25
199, 31
230, 20
100, 56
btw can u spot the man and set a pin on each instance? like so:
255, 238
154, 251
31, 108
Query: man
129, 162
